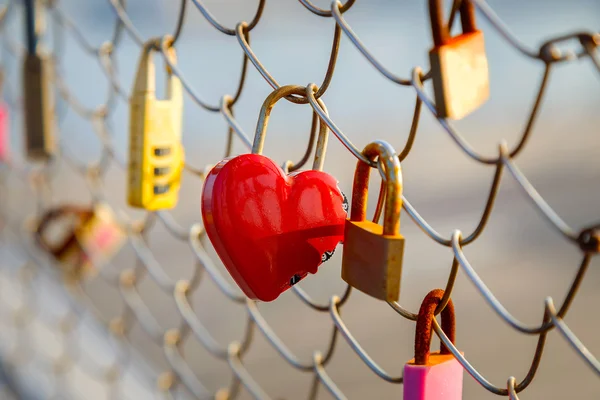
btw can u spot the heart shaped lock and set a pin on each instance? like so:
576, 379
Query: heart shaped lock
269, 228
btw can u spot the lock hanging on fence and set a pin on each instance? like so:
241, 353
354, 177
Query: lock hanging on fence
92, 238
372, 256
270, 228
4, 127
435, 376
40, 132
156, 154
459, 66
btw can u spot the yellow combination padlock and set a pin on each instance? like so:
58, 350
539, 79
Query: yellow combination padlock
459, 66
40, 141
156, 154
372, 255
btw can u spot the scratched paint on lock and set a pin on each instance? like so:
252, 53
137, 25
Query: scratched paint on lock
271, 229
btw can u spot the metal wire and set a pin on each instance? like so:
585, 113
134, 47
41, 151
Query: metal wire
180, 21
325, 13
170, 341
231, 32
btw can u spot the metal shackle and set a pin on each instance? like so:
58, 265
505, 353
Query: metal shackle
265, 114
145, 78
393, 181
439, 29
424, 325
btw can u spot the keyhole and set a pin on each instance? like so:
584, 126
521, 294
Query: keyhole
295, 279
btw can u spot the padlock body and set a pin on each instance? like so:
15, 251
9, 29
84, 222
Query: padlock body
75, 266
271, 229
90, 245
440, 379
371, 262
460, 75
100, 237
156, 153
40, 141
4, 133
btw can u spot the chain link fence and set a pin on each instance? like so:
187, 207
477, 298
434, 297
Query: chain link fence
112, 337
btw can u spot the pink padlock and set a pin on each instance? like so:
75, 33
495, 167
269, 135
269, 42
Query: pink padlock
4, 133
435, 376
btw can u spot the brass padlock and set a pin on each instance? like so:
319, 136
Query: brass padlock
156, 154
372, 255
459, 66
40, 141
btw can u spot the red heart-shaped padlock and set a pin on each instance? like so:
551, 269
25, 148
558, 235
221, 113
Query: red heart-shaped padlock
270, 229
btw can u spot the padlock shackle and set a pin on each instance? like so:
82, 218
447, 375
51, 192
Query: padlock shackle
424, 325
30, 19
393, 181
83, 214
145, 77
265, 114
439, 28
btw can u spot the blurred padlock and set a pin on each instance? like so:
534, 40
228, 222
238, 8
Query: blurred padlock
100, 236
372, 255
4, 125
459, 66
4, 133
156, 154
90, 239
40, 141
435, 376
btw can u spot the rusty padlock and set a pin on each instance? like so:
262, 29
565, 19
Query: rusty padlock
459, 66
435, 376
372, 255
90, 238
156, 154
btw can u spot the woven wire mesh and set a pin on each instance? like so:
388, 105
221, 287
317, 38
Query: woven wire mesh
154, 317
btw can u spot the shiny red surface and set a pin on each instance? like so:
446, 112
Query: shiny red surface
267, 227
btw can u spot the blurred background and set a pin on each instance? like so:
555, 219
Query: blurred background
520, 256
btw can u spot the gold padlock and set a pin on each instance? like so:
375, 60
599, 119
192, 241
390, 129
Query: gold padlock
156, 154
372, 255
459, 66
40, 141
